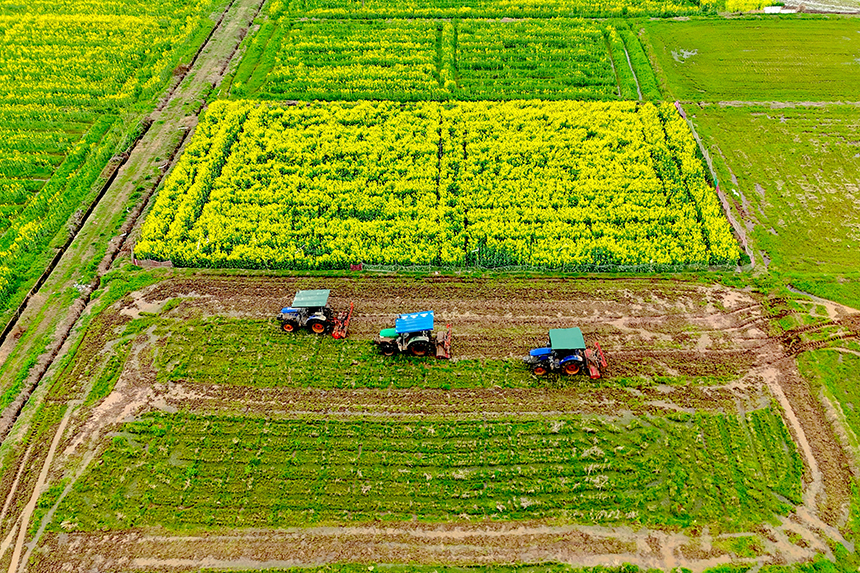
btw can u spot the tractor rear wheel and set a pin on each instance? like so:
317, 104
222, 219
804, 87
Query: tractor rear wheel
317, 326
289, 326
388, 349
420, 348
539, 370
571, 368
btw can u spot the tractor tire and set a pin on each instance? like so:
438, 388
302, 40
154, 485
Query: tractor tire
571, 368
388, 349
539, 370
420, 348
318, 326
290, 326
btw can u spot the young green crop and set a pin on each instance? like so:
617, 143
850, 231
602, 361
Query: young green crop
419, 60
181, 470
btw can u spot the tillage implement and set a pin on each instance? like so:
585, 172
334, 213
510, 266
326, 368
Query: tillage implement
413, 334
567, 354
310, 310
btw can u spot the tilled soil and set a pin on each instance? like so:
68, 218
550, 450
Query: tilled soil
666, 328
690, 326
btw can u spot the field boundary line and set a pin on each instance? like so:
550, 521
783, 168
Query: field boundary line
147, 123
13, 320
632, 71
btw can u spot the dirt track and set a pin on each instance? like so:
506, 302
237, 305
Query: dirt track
664, 327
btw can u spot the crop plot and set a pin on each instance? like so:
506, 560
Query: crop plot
186, 450
346, 60
485, 8
791, 174
542, 59
178, 471
66, 75
409, 60
567, 185
758, 59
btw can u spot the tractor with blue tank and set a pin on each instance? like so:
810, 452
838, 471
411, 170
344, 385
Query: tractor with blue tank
567, 354
413, 334
310, 310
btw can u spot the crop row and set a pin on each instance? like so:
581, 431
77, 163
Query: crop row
412, 60
67, 72
487, 8
182, 470
551, 184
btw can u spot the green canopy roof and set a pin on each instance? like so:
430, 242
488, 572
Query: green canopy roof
311, 298
566, 339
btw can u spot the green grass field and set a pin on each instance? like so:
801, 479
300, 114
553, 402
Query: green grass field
792, 175
178, 471
837, 373
758, 59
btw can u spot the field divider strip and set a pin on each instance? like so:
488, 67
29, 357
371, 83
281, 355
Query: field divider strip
632, 71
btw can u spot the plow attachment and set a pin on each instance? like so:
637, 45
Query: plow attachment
443, 343
341, 323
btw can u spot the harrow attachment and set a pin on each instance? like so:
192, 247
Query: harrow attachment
443, 343
595, 360
341, 323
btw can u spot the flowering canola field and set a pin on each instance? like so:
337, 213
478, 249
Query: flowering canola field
573, 185
68, 71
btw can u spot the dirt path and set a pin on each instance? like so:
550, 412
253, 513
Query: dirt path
50, 315
452, 544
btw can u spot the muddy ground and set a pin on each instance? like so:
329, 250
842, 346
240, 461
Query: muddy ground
676, 327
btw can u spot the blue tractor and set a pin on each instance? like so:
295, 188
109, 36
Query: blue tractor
310, 310
567, 354
413, 334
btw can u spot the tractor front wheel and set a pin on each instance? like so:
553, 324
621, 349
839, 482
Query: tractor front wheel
388, 349
289, 326
419, 349
539, 370
317, 326
571, 368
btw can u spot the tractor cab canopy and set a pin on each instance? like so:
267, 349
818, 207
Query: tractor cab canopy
566, 339
415, 322
311, 298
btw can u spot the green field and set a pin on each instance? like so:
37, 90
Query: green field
179, 471
486, 8
758, 59
412, 60
791, 175
837, 374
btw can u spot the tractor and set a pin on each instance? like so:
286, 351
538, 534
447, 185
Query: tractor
413, 334
567, 354
310, 309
